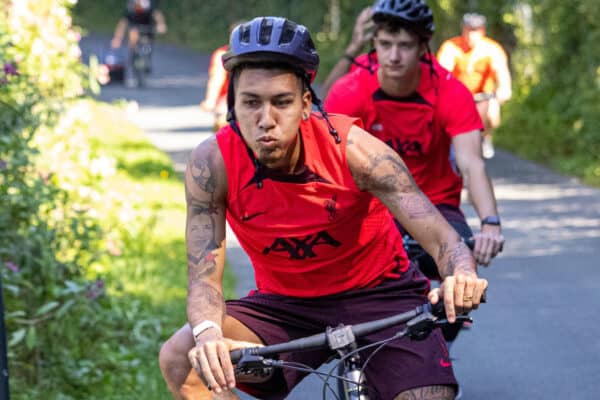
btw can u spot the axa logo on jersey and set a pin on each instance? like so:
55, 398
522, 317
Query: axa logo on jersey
406, 147
300, 248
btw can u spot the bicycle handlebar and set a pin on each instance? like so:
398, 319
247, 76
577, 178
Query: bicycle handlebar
320, 340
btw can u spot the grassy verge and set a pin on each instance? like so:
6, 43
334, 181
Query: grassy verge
150, 271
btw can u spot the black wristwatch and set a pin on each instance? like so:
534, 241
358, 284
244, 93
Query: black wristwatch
491, 220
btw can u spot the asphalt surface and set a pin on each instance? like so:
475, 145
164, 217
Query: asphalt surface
537, 338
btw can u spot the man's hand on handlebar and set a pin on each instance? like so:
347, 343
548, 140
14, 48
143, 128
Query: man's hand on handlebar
461, 293
211, 361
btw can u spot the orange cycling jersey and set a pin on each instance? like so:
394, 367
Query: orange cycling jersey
474, 67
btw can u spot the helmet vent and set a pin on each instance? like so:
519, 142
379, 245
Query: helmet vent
245, 34
266, 28
288, 32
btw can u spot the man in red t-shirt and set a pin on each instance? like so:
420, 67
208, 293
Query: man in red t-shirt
405, 98
310, 197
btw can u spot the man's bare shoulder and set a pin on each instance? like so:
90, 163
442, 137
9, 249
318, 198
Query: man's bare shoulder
206, 149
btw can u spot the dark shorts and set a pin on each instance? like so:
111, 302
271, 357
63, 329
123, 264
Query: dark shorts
401, 365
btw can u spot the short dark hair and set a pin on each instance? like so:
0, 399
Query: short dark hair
392, 24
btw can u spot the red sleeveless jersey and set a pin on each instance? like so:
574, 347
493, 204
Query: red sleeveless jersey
312, 234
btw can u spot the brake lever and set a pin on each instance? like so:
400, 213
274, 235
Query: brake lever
459, 318
250, 361
252, 368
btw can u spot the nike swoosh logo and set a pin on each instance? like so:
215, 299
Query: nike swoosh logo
444, 363
247, 217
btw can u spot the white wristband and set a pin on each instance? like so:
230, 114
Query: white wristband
204, 325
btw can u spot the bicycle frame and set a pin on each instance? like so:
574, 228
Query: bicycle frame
142, 55
420, 322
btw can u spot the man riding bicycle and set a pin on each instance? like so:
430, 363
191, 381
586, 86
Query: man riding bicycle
141, 16
407, 100
481, 64
309, 198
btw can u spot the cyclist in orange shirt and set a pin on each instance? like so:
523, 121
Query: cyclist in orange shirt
481, 64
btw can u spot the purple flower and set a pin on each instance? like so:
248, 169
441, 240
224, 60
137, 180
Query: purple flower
12, 266
10, 69
2, 165
95, 289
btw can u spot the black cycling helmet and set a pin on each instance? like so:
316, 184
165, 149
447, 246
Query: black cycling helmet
273, 39
414, 13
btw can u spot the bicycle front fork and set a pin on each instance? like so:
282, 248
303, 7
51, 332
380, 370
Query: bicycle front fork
354, 385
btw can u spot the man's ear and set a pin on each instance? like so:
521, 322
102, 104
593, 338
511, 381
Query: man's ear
307, 102
423, 49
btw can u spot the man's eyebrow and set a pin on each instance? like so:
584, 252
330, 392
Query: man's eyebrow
283, 94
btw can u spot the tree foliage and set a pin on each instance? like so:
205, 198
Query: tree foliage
554, 113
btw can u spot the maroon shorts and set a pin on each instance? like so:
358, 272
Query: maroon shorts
401, 365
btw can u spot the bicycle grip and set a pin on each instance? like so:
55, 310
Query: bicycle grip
235, 355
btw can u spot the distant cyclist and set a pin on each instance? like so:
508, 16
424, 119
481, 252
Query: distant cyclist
140, 15
481, 64
310, 198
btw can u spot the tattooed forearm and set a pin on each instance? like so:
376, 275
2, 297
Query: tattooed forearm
442, 251
201, 241
416, 206
205, 302
437, 392
459, 257
202, 266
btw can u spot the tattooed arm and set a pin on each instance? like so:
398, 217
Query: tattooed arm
378, 169
205, 189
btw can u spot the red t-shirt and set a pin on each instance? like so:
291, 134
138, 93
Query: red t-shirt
419, 127
314, 234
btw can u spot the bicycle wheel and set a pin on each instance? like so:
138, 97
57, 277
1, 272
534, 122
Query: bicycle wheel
142, 60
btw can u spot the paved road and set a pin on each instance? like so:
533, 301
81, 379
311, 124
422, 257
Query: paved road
537, 337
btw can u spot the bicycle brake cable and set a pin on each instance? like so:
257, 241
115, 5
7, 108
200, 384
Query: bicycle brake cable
306, 368
381, 344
